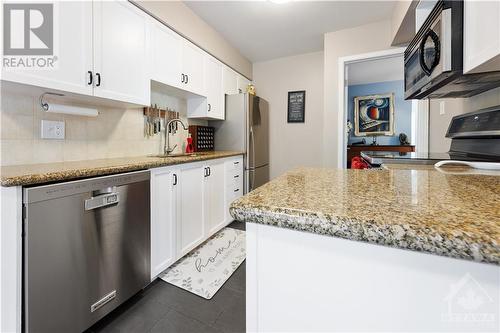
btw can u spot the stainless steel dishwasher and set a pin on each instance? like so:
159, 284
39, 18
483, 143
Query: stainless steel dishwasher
86, 249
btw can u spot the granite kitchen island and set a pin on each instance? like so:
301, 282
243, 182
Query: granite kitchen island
406, 249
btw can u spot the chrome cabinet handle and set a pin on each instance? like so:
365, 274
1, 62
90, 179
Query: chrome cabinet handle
102, 200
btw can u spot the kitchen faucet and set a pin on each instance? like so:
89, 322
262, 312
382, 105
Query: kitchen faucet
166, 147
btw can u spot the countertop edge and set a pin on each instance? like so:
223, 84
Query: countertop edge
397, 236
78, 173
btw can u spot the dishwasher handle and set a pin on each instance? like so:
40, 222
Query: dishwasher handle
102, 200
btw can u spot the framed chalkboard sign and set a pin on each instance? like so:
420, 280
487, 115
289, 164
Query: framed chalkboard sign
296, 106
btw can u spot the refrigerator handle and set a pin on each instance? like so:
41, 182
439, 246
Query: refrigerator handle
252, 179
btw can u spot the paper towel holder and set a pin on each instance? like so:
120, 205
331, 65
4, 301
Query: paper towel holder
66, 109
45, 105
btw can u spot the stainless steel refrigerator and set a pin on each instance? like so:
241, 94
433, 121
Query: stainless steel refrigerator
246, 128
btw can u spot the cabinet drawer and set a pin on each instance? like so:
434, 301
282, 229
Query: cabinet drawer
234, 182
234, 193
234, 175
234, 165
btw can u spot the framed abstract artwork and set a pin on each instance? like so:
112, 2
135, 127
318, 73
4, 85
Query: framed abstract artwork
374, 115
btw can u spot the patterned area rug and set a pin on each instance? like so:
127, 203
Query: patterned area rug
205, 269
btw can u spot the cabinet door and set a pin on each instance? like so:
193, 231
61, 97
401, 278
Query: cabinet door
481, 36
230, 81
190, 225
242, 84
73, 49
192, 66
215, 203
213, 88
120, 52
163, 212
166, 54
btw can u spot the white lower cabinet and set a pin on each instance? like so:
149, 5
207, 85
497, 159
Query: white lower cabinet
163, 218
190, 224
189, 203
215, 204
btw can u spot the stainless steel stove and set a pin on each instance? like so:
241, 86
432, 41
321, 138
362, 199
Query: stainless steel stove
475, 138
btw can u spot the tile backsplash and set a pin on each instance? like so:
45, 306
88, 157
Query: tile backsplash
116, 132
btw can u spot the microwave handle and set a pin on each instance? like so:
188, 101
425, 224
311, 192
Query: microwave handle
446, 39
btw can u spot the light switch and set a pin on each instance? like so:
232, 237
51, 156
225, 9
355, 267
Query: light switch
442, 108
52, 129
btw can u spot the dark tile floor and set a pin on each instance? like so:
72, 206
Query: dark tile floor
162, 307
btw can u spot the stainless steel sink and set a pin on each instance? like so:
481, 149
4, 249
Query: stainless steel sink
175, 155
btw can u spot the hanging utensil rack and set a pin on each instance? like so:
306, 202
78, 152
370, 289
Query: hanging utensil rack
154, 117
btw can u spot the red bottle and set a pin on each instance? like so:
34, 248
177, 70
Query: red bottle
189, 146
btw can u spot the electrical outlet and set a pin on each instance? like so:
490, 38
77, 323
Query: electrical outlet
52, 129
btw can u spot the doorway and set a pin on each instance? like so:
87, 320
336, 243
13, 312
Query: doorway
373, 112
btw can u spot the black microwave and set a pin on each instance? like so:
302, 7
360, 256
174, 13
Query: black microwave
434, 59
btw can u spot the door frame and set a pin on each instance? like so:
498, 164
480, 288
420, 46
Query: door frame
420, 126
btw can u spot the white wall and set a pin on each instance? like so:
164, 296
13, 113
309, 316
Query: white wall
363, 39
294, 144
182, 19
438, 124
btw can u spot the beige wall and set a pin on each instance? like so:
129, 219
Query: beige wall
362, 39
182, 19
298, 144
438, 124
116, 132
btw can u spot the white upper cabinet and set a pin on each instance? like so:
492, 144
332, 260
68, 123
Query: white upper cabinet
243, 82
192, 68
166, 55
120, 52
230, 81
112, 50
213, 88
73, 50
481, 36
211, 106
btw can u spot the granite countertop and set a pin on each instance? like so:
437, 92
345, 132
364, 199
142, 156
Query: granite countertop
30, 174
444, 213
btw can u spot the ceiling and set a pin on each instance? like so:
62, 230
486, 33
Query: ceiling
264, 30
379, 70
